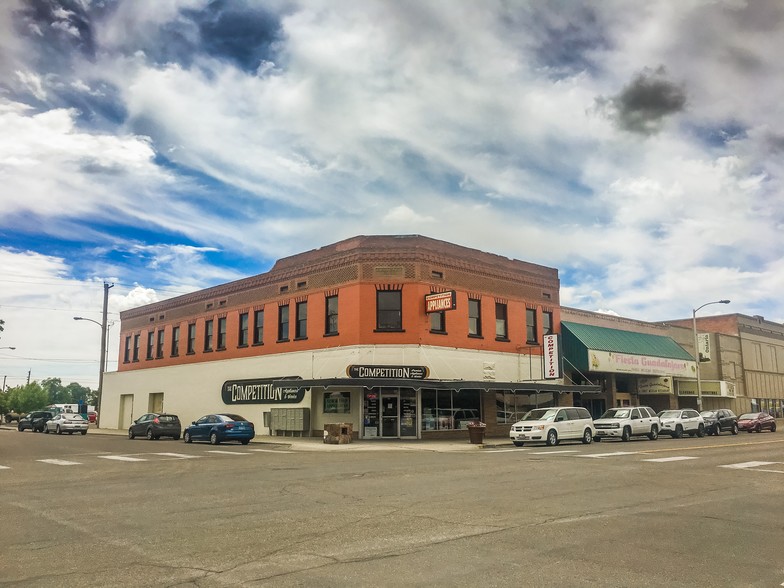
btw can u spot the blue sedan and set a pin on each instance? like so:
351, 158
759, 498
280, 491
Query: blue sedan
216, 428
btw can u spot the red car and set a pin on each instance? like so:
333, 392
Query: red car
756, 422
91, 416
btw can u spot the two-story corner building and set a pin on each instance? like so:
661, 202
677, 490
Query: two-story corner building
398, 336
742, 363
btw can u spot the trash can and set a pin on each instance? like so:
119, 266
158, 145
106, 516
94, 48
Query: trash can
476, 432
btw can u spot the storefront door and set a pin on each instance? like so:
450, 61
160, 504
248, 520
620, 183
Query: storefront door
390, 417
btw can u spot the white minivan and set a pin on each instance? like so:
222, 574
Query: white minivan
552, 425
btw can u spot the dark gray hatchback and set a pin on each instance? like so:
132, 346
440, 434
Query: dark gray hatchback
155, 425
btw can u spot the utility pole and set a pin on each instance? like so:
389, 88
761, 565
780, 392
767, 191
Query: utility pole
28, 376
104, 330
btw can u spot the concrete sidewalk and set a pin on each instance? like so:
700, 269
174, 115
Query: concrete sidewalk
317, 443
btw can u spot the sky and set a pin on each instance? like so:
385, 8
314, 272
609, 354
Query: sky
164, 146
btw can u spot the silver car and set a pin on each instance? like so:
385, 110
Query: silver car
66, 422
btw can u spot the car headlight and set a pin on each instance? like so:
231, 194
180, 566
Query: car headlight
537, 428
615, 425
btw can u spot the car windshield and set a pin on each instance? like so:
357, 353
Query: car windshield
616, 413
74, 417
670, 414
234, 417
708, 413
541, 414
749, 416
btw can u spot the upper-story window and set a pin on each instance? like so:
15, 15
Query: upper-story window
283, 322
331, 321
136, 343
208, 326
221, 333
389, 310
191, 338
150, 343
501, 330
258, 327
127, 354
175, 342
242, 341
159, 345
530, 326
301, 327
437, 322
474, 317
547, 323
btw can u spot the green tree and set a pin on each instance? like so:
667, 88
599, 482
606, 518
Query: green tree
79, 393
56, 392
28, 397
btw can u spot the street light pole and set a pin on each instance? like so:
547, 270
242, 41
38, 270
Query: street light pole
697, 348
104, 330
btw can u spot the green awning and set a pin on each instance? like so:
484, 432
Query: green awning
578, 339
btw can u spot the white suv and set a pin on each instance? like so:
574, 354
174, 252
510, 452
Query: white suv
625, 422
551, 425
677, 422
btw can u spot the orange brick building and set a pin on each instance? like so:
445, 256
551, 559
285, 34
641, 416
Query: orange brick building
342, 334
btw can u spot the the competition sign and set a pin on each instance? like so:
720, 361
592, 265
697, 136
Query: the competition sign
262, 391
404, 372
441, 301
552, 357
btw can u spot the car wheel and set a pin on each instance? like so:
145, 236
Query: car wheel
758, 429
176, 437
717, 430
678, 432
83, 432
654, 434
735, 428
518, 443
245, 441
46, 429
587, 437
214, 438
131, 434
773, 428
627, 434
187, 437
552, 438
19, 428
58, 430
701, 431
150, 436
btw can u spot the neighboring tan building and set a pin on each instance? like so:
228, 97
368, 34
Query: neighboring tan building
396, 336
744, 352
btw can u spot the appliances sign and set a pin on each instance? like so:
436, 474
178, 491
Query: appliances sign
441, 301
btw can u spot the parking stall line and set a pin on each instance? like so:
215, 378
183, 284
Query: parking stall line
613, 454
283, 451
121, 458
748, 464
227, 452
60, 462
4, 467
178, 455
675, 458
554, 452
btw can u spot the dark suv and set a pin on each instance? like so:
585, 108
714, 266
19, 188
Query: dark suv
720, 420
36, 421
155, 425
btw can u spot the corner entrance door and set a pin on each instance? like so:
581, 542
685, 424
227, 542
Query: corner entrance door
389, 415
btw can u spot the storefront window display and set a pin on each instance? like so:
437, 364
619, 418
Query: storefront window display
337, 402
512, 406
449, 409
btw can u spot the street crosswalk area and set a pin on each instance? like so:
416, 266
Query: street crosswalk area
82, 460
770, 467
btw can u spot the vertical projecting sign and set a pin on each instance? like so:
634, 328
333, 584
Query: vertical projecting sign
703, 347
552, 357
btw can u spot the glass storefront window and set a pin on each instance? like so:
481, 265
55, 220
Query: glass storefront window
512, 406
337, 402
449, 410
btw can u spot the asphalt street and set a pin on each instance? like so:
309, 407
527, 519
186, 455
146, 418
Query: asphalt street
102, 510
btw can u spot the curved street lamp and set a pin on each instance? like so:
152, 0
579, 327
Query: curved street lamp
697, 348
12, 348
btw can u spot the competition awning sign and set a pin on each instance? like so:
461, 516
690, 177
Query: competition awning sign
263, 391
